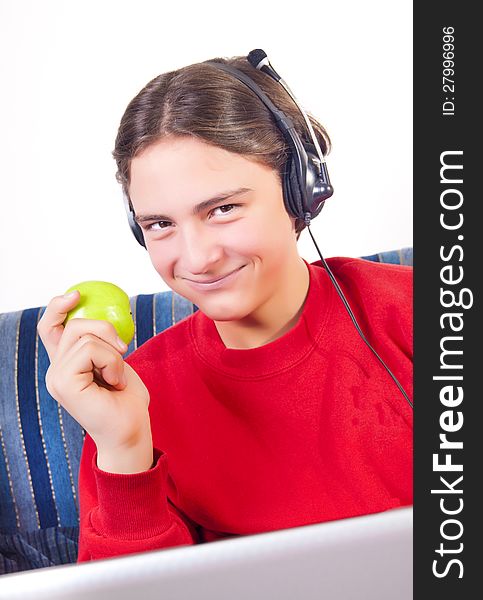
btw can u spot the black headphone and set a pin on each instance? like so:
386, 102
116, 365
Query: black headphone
306, 184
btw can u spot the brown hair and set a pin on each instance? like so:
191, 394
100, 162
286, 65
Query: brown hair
205, 102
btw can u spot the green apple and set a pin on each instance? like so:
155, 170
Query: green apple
104, 301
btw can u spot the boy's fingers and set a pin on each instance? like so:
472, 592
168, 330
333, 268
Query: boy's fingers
74, 381
76, 329
92, 358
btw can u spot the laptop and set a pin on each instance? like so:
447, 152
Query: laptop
360, 558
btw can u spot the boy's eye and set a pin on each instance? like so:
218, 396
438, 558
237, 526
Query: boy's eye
162, 225
226, 208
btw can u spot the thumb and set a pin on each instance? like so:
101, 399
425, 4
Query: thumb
51, 325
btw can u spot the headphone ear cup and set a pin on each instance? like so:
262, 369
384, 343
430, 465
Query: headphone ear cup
136, 229
317, 200
133, 225
291, 189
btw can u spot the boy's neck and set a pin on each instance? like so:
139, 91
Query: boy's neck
275, 318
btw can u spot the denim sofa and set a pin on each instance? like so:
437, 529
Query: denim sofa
40, 444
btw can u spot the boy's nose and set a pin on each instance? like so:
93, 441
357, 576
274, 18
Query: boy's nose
199, 253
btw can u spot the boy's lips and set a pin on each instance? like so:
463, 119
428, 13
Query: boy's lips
209, 284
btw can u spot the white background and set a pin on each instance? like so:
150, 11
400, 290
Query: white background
69, 68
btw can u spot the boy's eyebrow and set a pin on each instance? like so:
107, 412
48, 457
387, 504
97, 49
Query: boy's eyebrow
199, 208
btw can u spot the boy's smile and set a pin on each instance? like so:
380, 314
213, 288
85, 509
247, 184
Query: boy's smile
214, 283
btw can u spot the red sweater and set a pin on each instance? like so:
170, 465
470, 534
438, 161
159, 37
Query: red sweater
305, 429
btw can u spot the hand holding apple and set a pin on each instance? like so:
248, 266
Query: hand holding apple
89, 378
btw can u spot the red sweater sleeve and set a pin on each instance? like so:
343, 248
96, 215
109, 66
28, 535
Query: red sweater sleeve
124, 514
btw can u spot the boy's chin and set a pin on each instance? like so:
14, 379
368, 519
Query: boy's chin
222, 313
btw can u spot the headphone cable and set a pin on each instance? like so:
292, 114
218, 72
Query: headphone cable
354, 320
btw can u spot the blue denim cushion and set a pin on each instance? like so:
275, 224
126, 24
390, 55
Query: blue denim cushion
38, 548
403, 256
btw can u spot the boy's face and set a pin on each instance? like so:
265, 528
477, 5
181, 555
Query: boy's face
227, 257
